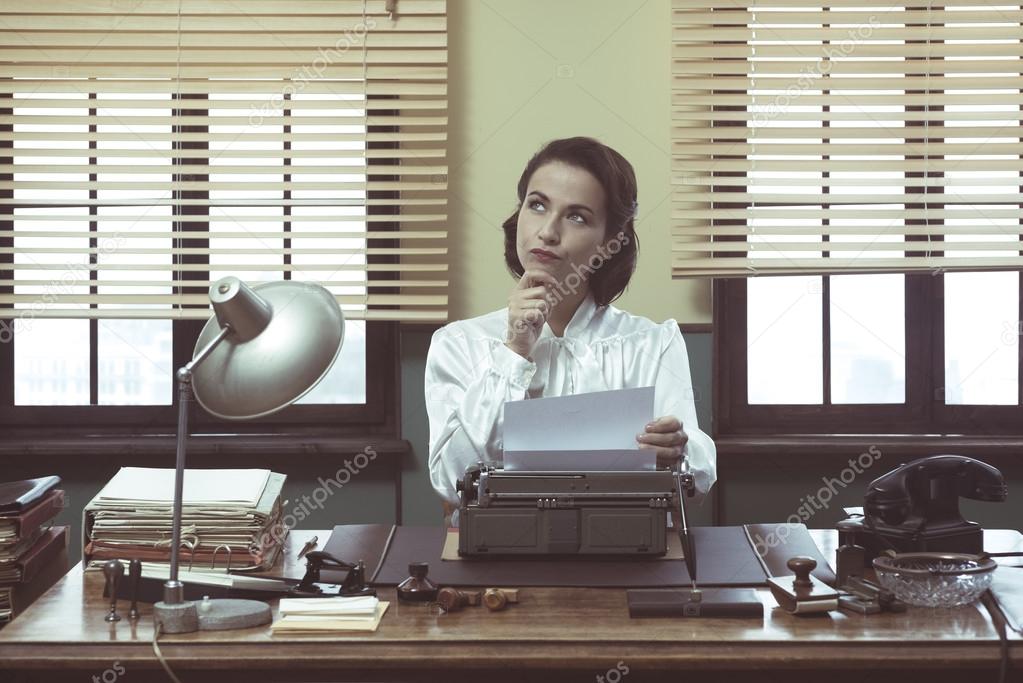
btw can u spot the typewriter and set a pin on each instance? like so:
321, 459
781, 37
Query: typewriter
566, 513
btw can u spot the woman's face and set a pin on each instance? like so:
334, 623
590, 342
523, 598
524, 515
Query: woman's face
561, 222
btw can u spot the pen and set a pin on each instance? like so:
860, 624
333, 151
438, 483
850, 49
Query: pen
688, 547
309, 545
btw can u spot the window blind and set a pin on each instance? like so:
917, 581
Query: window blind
849, 138
148, 148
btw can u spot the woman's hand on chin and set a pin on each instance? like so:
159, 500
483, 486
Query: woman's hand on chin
529, 305
665, 435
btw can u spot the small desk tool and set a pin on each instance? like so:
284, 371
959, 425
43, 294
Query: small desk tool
453, 600
802, 593
134, 579
417, 587
353, 584
496, 599
309, 545
113, 571
861, 595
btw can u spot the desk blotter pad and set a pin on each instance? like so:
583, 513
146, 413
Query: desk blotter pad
725, 559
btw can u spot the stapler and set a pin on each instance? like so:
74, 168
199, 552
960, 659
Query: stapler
861, 595
311, 586
915, 507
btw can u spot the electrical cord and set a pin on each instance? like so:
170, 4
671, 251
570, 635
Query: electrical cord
159, 654
988, 600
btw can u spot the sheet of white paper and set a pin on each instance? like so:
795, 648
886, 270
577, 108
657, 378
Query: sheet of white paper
593, 460
347, 606
214, 487
595, 431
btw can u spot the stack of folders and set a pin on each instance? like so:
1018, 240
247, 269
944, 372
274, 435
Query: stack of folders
230, 519
326, 615
33, 552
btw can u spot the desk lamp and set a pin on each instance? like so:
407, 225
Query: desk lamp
266, 347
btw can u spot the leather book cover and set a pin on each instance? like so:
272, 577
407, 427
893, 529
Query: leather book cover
775, 544
16, 496
353, 542
42, 553
28, 520
24, 594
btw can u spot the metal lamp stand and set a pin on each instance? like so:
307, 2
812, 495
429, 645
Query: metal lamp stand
174, 614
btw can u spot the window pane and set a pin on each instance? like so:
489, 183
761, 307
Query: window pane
346, 381
982, 338
785, 341
868, 339
135, 362
51, 362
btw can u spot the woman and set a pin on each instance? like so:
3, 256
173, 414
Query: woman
572, 247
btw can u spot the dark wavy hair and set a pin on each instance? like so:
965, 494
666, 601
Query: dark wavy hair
618, 179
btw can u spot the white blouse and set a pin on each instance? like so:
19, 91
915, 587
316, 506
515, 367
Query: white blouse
470, 373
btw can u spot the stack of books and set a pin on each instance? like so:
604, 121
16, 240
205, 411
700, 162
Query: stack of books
229, 518
33, 552
326, 615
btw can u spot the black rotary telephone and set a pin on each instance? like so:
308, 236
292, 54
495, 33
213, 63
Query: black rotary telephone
915, 507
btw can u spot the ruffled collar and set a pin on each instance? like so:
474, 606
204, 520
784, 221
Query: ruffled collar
577, 326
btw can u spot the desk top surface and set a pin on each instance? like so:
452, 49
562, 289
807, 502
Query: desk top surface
571, 624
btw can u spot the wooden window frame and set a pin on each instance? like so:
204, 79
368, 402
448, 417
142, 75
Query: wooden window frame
923, 413
379, 415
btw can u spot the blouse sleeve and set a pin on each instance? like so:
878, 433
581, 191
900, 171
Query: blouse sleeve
674, 395
465, 395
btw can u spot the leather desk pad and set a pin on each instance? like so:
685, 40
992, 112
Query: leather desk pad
725, 558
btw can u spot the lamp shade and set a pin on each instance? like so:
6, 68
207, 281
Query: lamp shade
285, 338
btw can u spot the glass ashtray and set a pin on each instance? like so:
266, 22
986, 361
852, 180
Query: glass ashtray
935, 579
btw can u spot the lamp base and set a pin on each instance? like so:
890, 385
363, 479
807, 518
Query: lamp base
229, 614
178, 617
211, 615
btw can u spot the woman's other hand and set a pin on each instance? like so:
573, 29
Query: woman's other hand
528, 307
666, 436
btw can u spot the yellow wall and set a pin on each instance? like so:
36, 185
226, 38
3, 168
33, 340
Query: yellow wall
523, 72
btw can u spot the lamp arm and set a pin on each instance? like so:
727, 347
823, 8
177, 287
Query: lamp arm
173, 592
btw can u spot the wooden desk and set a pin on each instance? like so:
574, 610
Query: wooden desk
553, 634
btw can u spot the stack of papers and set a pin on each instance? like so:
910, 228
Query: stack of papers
319, 615
225, 512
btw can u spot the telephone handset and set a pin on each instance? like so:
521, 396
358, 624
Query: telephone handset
915, 507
